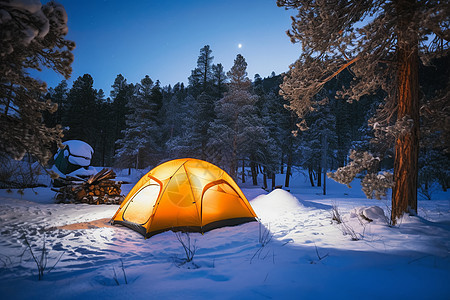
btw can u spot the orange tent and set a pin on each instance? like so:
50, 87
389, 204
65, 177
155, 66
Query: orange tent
184, 195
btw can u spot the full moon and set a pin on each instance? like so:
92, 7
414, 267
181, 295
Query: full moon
239, 45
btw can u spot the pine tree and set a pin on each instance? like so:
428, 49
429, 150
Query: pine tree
57, 95
201, 76
104, 144
205, 85
155, 99
235, 125
81, 114
141, 137
434, 155
379, 42
31, 37
219, 80
120, 95
184, 141
174, 112
277, 122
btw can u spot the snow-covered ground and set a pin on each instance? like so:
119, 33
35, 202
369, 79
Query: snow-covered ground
305, 255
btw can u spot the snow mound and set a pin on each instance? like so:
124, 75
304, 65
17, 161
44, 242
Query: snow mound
76, 152
79, 148
85, 171
79, 161
372, 213
275, 204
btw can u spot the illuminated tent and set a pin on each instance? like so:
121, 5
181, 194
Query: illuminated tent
184, 195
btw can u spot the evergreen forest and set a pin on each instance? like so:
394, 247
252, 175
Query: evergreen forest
241, 125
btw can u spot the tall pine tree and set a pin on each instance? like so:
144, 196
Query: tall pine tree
120, 95
141, 137
32, 37
235, 128
379, 42
81, 115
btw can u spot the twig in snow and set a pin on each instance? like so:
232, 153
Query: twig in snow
189, 249
123, 270
318, 255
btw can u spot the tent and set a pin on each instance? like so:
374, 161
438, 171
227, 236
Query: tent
184, 195
74, 155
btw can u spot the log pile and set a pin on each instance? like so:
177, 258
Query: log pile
96, 189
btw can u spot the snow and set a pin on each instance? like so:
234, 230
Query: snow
80, 152
79, 161
32, 6
306, 255
79, 148
86, 171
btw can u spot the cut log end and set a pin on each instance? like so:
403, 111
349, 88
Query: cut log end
95, 190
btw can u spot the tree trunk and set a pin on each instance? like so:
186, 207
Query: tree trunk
243, 170
254, 169
404, 192
265, 178
311, 177
282, 163
289, 159
233, 162
273, 180
137, 159
324, 162
319, 175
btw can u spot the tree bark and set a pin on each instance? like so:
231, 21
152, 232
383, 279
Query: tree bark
319, 175
311, 177
324, 162
265, 178
243, 170
288, 168
233, 162
289, 156
254, 169
404, 191
273, 180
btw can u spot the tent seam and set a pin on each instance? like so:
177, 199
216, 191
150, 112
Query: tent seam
193, 196
162, 193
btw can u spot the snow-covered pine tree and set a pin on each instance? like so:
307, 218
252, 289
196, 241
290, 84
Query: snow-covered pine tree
32, 36
121, 93
434, 155
140, 144
182, 141
277, 122
202, 87
172, 111
379, 42
316, 144
235, 119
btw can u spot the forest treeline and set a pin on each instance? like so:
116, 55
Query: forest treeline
241, 125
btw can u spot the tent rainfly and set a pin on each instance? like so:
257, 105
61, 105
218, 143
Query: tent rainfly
184, 195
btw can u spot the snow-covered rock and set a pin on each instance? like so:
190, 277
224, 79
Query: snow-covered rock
372, 213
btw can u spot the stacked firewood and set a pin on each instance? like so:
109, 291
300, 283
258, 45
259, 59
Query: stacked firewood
96, 189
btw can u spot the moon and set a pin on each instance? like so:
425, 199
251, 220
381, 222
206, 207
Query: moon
239, 45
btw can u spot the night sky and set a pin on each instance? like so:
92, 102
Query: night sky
162, 39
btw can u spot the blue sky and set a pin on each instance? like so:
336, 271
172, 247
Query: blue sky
162, 39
